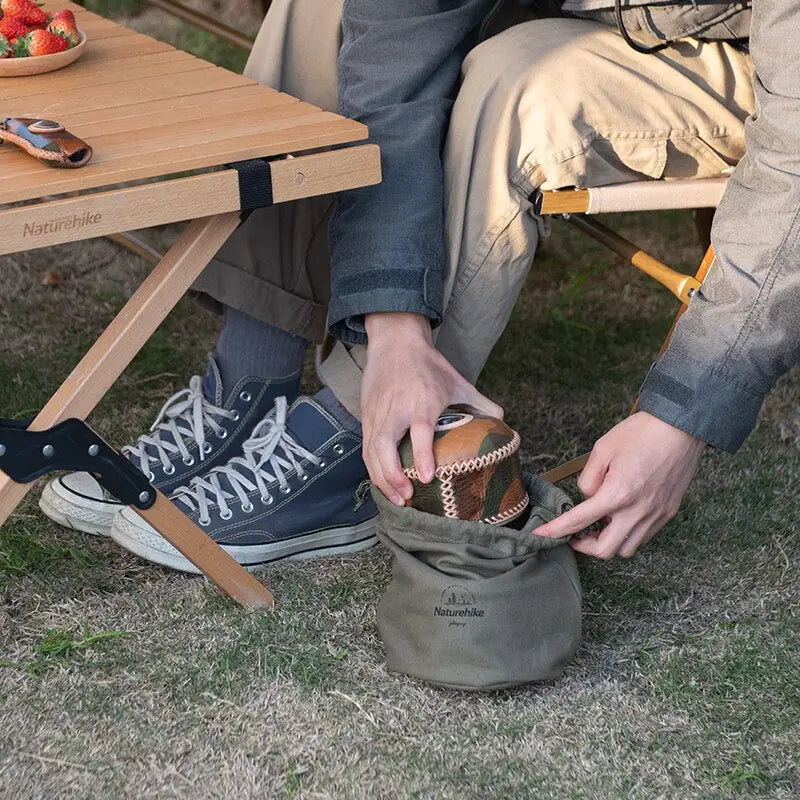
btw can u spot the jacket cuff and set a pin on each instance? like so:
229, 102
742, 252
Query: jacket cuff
357, 291
693, 397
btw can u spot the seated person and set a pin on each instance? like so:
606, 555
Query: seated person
476, 105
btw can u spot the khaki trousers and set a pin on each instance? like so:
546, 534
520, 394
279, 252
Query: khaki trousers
546, 103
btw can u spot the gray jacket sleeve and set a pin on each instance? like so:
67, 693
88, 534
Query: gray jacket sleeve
742, 330
398, 70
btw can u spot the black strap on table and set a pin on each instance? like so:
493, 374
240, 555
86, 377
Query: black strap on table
255, 183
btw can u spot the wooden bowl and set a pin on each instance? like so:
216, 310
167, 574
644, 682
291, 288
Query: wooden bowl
36, 65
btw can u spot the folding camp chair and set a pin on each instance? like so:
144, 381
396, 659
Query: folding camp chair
575, 206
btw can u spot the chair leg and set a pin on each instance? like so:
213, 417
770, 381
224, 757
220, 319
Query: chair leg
574, 466
105, 362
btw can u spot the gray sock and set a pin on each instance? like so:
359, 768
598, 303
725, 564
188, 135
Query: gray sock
327, 399
249, 347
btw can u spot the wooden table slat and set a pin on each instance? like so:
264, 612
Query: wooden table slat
149, 120
117, 47
120, 94
29, 186
94, 74
150, 111
190, 107
162, 137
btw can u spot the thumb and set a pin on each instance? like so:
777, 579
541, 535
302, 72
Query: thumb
470, 396
594, 473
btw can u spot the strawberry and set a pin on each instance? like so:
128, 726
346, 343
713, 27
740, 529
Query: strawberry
5, 48
41, 43
64, 25
11, 28
42, 25
24, 10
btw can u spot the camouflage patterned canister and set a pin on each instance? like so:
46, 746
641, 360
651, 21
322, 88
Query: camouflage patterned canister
478, 474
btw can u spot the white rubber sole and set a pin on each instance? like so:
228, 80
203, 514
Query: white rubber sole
136, 536
80, 514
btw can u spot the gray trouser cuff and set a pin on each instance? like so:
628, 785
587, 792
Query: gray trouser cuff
231, 286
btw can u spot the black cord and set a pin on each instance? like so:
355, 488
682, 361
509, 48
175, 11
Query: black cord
639, 48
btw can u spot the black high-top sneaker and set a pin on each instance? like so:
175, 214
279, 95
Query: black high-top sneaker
297, 489
191, 435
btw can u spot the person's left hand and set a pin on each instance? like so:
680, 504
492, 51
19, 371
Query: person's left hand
634, 480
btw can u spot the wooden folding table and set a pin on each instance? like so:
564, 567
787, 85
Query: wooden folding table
164, 125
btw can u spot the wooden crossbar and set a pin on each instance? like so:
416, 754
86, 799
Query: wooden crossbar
58, 221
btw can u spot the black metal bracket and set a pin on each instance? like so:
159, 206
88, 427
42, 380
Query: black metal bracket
71, 445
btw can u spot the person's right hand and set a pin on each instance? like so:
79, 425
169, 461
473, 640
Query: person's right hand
407, 384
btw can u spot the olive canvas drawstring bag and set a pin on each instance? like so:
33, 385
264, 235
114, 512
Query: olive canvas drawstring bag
477, 606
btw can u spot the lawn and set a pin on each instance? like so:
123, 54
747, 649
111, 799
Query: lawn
120, 679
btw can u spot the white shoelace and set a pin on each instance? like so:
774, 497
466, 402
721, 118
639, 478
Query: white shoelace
184, 418
269, 454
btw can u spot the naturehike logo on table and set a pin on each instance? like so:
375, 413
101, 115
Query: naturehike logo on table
457, 601
68, 223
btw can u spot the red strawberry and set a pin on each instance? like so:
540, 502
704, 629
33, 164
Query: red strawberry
42, 43
24, 10
64, 25
11, 28
42, 25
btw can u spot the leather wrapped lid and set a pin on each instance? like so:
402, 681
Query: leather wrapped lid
47, 141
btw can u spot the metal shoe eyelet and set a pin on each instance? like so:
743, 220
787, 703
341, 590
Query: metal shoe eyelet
246, 396
207, 448
236, 416
248, 508
204, 522
268, 500
169, 470
286, 489
189, 461
338, 449
322, 464
225, 514
223, 434
304, 477
151, 477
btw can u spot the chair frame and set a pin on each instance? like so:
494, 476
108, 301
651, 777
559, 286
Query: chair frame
573, 207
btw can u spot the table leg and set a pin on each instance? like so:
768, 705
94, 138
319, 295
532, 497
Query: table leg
106, 361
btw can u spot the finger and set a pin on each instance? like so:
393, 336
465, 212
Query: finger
594, 473
422, 447
611, 539
389, 460
468, 394
376, 476
578, 518
646, 531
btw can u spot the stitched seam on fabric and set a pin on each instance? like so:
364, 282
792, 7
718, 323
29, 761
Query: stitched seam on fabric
510, 513
758, 307
449, 499
323, 221
666, 134
466, 275
447, 471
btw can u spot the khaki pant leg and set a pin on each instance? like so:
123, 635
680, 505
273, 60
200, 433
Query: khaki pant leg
565, 102
275, 267
553, 103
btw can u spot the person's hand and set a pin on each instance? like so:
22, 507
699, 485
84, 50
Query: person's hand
635, 480
407, 384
